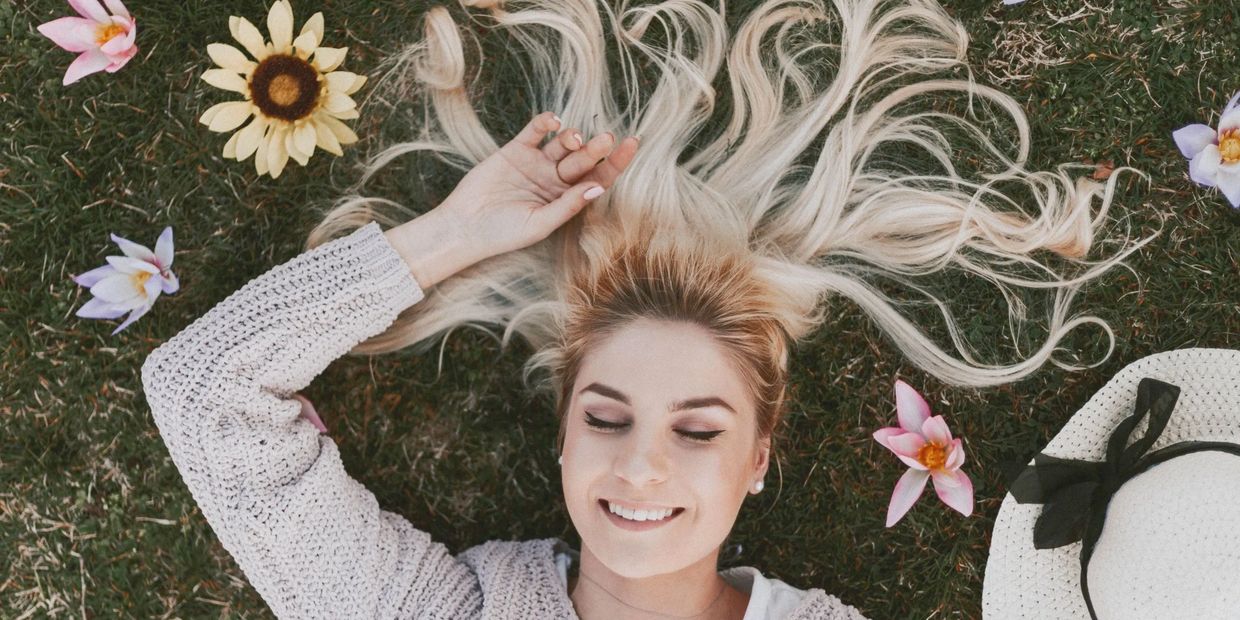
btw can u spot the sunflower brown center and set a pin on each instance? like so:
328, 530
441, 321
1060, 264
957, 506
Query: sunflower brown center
285, 87
932, 456
103, 34
1229, 146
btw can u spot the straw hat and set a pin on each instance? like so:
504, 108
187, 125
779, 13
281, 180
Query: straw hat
1149, 528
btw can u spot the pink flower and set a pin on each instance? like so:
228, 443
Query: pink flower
130, 283
105, 41
1214, 156
925, 444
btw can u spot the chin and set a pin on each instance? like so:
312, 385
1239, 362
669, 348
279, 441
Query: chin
636, 563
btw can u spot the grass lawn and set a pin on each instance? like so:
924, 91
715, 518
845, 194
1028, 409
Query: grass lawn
95, 521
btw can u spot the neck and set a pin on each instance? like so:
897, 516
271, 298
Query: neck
696, 591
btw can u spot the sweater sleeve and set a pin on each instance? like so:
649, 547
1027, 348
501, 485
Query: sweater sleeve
311, 540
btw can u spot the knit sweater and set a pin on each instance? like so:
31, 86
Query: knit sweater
313, 541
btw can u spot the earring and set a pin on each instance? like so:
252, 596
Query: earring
561, 460
758, 486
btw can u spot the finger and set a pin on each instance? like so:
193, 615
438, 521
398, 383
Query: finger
562, 144
605, 173
576, 165
537, 129
555, 213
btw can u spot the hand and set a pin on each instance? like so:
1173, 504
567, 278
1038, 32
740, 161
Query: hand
521, 193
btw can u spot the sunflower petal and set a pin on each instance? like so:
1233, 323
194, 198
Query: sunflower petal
249, 138
277, 154
290, 146
338, 102
304, 45
315, 25
347, 115
227, 80
231, 115
304, 139
248, 36
230, 147
211, 112
326, 59
344, 82
230, 58
326, 140
260, 156
280, 25
342, 131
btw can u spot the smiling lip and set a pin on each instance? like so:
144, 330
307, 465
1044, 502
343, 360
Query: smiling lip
636, 526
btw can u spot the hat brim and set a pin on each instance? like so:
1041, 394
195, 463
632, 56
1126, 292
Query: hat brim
1022, 581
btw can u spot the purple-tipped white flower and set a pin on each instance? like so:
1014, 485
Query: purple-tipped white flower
1215, 155
129, 283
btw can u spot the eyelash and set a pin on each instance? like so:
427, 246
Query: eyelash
696, 436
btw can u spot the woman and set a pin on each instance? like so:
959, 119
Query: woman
662, 315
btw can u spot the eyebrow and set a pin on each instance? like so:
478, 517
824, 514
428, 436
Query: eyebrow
690, 403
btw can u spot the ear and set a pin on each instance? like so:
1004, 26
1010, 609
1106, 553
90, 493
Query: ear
762, 461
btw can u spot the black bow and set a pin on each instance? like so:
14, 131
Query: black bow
1075, 494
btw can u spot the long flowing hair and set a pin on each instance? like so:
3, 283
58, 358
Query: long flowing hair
833, 159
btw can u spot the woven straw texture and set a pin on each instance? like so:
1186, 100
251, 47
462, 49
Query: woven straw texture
1170, 531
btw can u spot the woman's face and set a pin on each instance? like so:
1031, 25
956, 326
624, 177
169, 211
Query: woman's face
638, 378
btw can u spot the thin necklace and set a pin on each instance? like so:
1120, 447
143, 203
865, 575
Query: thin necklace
722, 587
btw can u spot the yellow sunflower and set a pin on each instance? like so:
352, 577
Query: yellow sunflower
291, 88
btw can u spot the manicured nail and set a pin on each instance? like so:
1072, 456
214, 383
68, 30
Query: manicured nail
557, 119
577, 137
594, 192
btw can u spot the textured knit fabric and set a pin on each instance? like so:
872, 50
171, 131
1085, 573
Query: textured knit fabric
312, 540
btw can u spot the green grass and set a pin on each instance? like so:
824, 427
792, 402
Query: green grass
95, 521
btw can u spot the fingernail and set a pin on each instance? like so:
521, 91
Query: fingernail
557, 119
577, 137
638, 138
594, 192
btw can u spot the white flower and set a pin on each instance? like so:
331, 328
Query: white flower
130, 283
292, 89
1215, 155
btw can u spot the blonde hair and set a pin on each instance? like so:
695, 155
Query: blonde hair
832, 176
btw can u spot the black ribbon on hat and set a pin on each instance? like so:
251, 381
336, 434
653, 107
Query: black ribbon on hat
1075, 494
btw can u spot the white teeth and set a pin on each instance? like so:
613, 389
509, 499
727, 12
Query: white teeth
640, 515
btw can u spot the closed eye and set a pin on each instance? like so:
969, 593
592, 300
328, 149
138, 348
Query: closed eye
605, 426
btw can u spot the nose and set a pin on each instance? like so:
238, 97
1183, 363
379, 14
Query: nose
641, 462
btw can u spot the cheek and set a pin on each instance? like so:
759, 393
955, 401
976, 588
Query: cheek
713, 473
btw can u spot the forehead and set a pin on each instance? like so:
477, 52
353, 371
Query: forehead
658, 362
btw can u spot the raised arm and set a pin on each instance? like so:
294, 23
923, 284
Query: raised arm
310, 539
